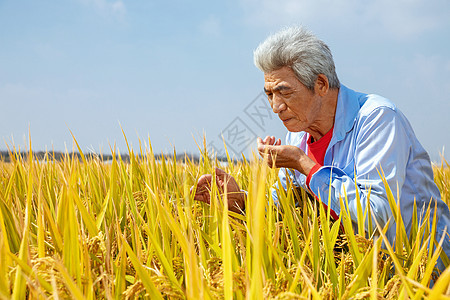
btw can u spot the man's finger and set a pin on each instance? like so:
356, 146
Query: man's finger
272, 140
220, 173
222, 178
261, 146
268, 149
204, 180
203, 197
202, 189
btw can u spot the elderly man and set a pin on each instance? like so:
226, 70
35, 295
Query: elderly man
337, 135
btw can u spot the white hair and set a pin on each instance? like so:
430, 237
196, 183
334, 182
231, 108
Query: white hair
300, 50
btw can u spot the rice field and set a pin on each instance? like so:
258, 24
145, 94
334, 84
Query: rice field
85, 229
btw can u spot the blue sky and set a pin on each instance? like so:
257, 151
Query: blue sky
172, 71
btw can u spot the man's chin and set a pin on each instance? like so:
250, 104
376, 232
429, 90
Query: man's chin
292, 129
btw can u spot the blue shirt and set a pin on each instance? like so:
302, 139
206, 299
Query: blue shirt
370, 134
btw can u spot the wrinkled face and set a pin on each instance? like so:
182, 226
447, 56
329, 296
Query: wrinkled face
296, 105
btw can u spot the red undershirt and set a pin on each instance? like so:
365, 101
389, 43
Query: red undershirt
316, 151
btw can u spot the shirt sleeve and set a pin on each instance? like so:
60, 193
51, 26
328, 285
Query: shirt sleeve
382, 143
313, 170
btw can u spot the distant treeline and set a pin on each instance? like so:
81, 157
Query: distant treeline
40, 155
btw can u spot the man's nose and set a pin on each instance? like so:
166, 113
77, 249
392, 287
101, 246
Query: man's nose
278, 104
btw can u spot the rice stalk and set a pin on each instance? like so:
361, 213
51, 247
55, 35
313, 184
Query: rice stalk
84, 228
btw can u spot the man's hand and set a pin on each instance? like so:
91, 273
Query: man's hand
225, 182
284, 156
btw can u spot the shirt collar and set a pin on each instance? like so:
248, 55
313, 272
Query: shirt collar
347, 108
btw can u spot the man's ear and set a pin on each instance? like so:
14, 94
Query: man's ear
321, 86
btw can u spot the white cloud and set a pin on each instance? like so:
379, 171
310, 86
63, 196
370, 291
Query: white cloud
407, 18
118, 7
402, 19
114, 8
